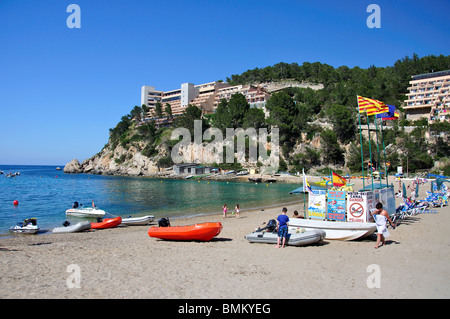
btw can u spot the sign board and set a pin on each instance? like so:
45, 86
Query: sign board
387, 198
336, 205
317, 207
372, 200
358, 206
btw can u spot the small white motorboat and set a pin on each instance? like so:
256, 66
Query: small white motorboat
335, 229
78, 227
86, 212
136, 221
28, 226
297, 238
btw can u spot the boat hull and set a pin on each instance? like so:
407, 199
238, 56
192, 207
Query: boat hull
78, 227
86, 212
24, 230
197, 232
293, 239
335, 230
138, 221
107, 223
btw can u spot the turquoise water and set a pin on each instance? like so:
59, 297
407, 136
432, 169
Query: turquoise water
45, 193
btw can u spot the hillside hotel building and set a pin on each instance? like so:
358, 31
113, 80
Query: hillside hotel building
205, 96
429, 97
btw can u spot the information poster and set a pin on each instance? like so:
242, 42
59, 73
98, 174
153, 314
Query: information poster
336, 205
357, 207
371, 203
317, 207
387, 198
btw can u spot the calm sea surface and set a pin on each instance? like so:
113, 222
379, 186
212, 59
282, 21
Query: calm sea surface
45, 193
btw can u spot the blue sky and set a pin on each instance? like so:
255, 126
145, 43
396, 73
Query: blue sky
62, 89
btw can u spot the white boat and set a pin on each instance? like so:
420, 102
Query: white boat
297, 238
135, 221
334, 229
86, 212
28, 226
78, 227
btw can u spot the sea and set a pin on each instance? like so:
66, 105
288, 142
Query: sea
46, 193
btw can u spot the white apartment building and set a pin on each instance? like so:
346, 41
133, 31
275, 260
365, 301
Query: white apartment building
429, 97
205, 96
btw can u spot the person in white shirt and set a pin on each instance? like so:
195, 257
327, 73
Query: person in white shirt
380, 220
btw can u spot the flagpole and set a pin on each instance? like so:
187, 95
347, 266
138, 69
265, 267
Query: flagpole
304, 196
378, 148
384, 150
331, 177
375, 107
304, 205
360, 141
370, 148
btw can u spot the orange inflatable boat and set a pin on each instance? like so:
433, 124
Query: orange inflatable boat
107, 223
198, 232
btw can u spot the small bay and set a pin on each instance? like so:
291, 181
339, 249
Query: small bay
46, 193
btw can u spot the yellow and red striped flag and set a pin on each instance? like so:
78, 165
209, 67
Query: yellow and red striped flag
371, 106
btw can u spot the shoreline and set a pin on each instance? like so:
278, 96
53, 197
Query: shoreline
47, 232
126, 263
284, 178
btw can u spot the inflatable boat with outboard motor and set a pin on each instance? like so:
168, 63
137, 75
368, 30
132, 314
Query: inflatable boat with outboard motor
297, 237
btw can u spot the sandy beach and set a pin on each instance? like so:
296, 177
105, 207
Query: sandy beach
126, 263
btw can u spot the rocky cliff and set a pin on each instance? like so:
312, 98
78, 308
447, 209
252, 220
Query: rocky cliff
117, 161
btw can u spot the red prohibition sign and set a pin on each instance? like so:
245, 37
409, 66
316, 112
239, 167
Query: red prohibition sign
356, 210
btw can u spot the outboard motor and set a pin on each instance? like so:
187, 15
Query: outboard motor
75, 205
271, 225
164, 222
66, 223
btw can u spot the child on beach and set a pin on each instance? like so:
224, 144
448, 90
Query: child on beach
237, 210
296, 215
282, 227
224, 208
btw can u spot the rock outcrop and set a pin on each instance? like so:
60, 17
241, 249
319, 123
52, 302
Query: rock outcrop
119, 161
72, 167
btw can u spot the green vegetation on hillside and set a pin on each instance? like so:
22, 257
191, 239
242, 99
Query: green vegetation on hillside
328, 116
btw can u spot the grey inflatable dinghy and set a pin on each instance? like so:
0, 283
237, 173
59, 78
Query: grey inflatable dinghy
81, 226
297, 238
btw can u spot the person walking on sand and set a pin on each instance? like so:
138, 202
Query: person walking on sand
224, 209
237, 210
380, 221
282, 227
